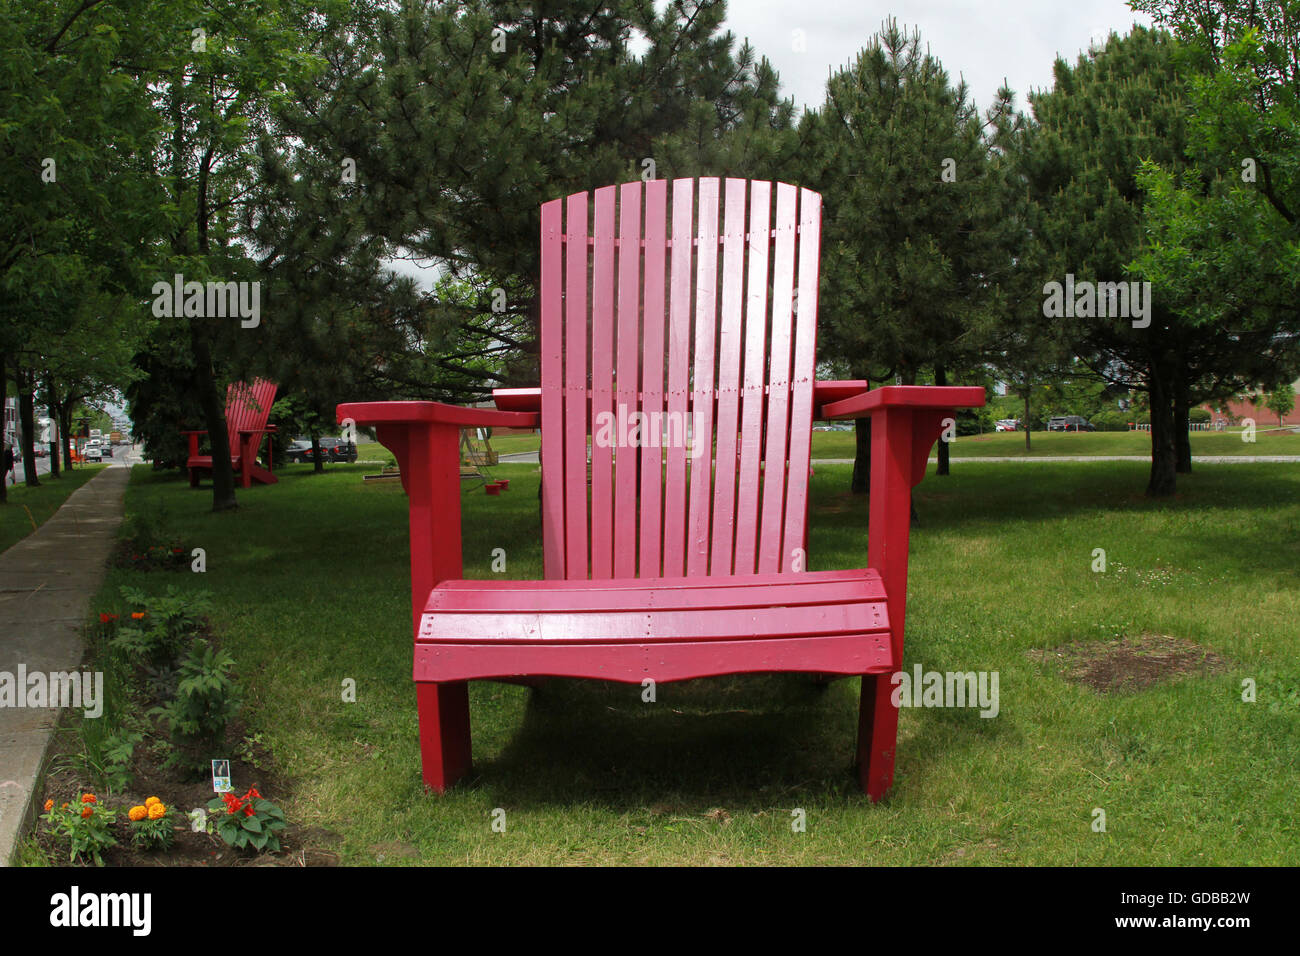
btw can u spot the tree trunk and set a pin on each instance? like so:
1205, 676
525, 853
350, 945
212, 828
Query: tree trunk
1026, 416
941, 378
1182, 425
65, 431
861, 457
52, 406
223, 473
1164, 480
27, 422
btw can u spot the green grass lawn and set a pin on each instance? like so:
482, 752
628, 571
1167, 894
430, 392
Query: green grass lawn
42, 501
1049, 444
311, 585
995, 444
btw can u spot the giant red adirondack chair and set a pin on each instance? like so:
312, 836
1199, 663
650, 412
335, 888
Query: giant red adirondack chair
668, 565
247, 409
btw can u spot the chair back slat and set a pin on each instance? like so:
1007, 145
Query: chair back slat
677, 356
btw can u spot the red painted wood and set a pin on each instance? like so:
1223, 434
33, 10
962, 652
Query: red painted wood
889, 516
577, 539
702, 386
730, 350
627, 383
674, 624
824, 392
801, 381
411, 413
755, 380
711, 539
602, 384
641, 594
679, 357
662, 662
443, 709
650, 562
248, 406
772, 524
552, 404
906, 396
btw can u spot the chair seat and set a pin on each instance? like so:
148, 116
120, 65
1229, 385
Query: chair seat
630, 629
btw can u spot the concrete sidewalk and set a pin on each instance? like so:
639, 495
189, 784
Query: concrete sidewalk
47, 581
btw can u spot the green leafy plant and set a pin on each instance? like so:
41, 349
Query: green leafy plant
250, 820
85, 825
116, 753
207, 697
161, 625
153, 825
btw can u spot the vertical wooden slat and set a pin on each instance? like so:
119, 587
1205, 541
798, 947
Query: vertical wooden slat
778, 389
552, 360
575, 388
626, 384
652, 378
801, 386
730, 349
679, 356
702, 386
604, 424
755, 377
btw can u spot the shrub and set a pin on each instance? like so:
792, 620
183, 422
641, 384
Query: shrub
1199, 416
85, 825
160, 626
206, 699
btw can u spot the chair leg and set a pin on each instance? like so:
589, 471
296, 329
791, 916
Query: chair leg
444, 732
877, 735
194, 477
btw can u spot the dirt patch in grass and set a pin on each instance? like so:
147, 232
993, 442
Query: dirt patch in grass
1131, 663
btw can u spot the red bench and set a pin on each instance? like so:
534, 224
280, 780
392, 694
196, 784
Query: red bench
675, 302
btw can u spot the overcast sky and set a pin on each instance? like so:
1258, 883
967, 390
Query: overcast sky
982, 41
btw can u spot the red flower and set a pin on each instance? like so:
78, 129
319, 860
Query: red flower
233, 803
105, 617
248, 810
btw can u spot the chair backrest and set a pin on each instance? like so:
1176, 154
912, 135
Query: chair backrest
678, 335
247, 408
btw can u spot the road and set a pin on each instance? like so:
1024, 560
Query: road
123, 456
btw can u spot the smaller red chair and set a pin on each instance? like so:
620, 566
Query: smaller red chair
247, 409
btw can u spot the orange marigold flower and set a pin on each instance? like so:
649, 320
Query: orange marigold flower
137, 615
138, 813
151, 801
85, 814
63, 806
156, 811
88, 798
49, 805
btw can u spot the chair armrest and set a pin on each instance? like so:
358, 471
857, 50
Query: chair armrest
425, 439
411, 413
864, 403
530, 399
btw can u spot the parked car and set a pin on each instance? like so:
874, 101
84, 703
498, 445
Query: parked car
299, 452
1007, 425
92, 453
336, 449
1069, 423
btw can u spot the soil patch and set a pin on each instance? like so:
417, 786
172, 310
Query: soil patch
1131, 663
